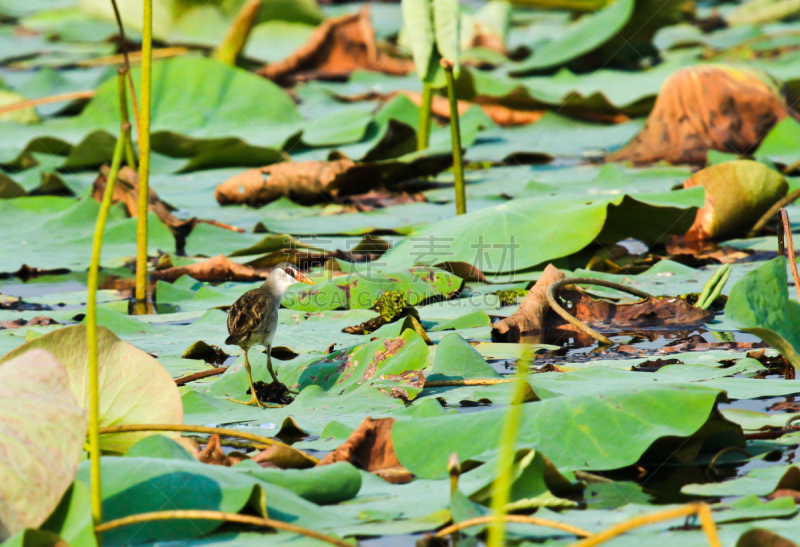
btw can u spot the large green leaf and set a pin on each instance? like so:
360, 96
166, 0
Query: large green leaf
447, 28
41, 438
418, 21
586, 34
134, 387
572, 431
759, 303
69, 225
202, 110
139, 485
528, 232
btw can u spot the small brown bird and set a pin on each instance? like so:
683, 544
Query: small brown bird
253, 318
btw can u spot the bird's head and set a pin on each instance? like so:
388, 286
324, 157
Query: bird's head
285, 275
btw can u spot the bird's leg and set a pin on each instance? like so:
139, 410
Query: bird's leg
254, 399
272, 371
269, 365
250, 379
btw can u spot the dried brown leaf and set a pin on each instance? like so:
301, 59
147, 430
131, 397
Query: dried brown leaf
126, 190
704, 108
218, 268
17, 323
501, 115
535, 315
335, 49
212, 454
310, 182
531, 313
370, 447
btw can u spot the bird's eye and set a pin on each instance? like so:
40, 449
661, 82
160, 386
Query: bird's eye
291, 272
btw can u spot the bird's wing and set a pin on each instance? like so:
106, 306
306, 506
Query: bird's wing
246, 316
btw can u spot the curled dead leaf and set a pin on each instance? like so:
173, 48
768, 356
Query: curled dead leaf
126, 190
531, 313
218, 268
212, 454
335, 49
696, 253
370, 447
501, 115
36, 321
310, 182
535, 315
712, 107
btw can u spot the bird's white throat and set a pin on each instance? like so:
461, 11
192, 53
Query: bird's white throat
278, 281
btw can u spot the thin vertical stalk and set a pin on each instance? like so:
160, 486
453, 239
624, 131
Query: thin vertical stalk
501, 488
91, 331
124, 49
455, 129
144, 153
130, 156
233, 44
424, 132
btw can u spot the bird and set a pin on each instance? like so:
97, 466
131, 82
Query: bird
253, 318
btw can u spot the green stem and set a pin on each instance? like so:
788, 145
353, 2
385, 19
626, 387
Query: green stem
455, 129
501, 488
198, 514
144, 153
233, 44
91, 332
424, 132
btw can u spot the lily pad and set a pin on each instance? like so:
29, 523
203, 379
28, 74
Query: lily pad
41, 438
641, 416
134, 387
759, 303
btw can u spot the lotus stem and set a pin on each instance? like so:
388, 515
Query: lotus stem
233, 44
468, 382
130, 156
47, 100
520, 519
572, 320
424, 131
455, 130
787, 233
772, 211
501, 488
194, 514
144, 154
127, 66
203, 429
700, 509
91, 332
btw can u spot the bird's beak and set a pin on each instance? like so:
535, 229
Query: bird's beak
304, 278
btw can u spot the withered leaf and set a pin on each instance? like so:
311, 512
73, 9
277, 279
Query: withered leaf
310, 182
702, 108
500, 114
126, 190
335, 49
212, 454
17, 323
695, 253
535, 315
370, 447
218, 268
531, 313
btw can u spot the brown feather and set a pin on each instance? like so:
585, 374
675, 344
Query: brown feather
246, 316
